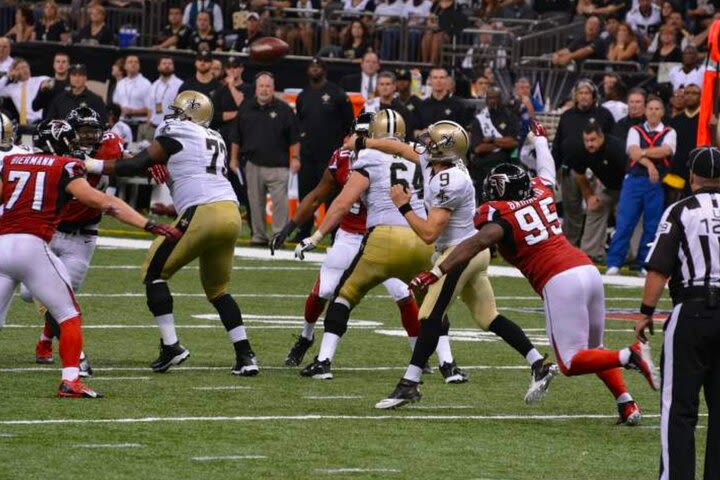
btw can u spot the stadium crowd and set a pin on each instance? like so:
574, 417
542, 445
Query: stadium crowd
617, 145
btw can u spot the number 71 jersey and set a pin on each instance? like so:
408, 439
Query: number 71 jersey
533, 241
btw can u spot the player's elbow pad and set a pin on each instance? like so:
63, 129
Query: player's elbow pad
134, 166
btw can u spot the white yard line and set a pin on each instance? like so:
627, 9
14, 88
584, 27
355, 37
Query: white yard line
439, 407
228, 458
113, 379
229, 387
7, 435
305, 418
333, 397
206, 368
109, 445
356, 470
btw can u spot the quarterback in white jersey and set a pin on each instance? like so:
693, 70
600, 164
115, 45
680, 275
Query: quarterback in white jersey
450, 200
390, 249
209, 217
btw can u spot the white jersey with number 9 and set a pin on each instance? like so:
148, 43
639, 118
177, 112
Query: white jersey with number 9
197, 171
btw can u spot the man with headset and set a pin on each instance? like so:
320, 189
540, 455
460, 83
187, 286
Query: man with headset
569, 136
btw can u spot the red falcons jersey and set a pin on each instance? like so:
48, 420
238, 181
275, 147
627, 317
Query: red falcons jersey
354, 221
77, 214
33, 192
533, 240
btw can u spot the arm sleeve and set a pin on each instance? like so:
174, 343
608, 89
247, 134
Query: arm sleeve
545, 163
663, 255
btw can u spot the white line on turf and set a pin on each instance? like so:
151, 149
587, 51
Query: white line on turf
303, 418
357, 470
112, 379
207, 368
333, 397
439, 407
229, 387
7, 435
108, 445
228, 457
195, 267
264, 254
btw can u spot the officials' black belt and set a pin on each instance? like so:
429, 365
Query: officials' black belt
73, 230
709, 295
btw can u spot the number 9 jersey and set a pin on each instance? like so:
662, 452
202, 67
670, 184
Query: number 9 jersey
533, 241
197, 170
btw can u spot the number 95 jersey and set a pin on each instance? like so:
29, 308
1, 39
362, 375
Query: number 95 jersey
197, 170
533, 241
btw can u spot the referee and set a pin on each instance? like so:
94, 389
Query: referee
687, 251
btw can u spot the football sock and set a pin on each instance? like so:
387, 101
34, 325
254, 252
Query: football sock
314, 306
412, 341
427, 342
443, 350
166, 324
308, 331
70, 347
624, 356
533, 356
615, 382
46, 334
413, 373
624, 397
328, 346
513, 335
160, 303
409, 315
592, 361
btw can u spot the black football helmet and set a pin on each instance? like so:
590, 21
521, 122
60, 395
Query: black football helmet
507, 182
86, 122
361, 124
56, 136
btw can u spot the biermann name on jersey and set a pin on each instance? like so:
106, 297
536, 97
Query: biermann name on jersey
32, 160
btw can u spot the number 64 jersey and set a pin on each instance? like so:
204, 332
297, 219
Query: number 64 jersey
197, 169
533, 241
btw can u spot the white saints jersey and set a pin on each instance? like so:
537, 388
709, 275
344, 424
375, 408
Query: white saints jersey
13, 150
453, 190
384, 170
197, 172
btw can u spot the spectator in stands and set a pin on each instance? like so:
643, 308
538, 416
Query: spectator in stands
667, 49
266, 130
203, 81
117, 73
132, 94
624, 48
163, 91
644, 19
479, 87
216, 67
568, 136
488, 9
403, 83
385, 100
683, 38
77, 95
677, 102
301, 34
686, 127
357, 41
441, 105
517, 9
6, 60
386, 20
689, 72
417, 12
595, 7
650, 147
605, 156
24, 27
214, 11
325, 115
613, 100
365, 81
702, 14
21, 87
96, 32
636, 113
116, 125
231, 95
590, 45
494, 136
50, 88
175, 34
51, 28
204, 37
249, 34
447, 20
525, 106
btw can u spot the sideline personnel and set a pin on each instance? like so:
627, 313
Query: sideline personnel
688, 234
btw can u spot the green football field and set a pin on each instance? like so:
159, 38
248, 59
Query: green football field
198, 421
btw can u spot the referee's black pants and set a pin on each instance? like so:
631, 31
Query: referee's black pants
690, 361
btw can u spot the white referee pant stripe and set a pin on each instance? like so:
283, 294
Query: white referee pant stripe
667, 389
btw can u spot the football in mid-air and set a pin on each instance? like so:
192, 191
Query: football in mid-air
268, 49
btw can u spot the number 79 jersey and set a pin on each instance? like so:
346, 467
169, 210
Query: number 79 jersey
197, 170
533, 240
384, 170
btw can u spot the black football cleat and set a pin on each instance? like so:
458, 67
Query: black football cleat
541, 375
406, 391
452, 373
170, 355
298, 351
318, 370
86, 370
246, 365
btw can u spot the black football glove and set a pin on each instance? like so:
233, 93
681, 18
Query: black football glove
279, 238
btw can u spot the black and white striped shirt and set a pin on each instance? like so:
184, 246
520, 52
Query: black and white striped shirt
687, 242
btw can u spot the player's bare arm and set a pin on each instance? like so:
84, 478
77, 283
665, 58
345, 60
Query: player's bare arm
385, 145
428, 230
654, 286
158, 152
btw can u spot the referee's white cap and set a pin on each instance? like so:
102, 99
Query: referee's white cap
705, 162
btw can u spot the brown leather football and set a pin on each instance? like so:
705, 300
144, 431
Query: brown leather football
268, 49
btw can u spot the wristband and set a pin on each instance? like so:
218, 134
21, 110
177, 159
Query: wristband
647, 310
405, 208
94, 166
359, 143
316, 237
437, 271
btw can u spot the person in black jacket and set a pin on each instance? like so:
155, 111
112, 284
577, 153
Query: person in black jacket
49, 89
366, 80
568, 136
76, 95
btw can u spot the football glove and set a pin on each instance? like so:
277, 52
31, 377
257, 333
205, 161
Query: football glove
169, 232
423, 280
159, 173
279, 238
537, 129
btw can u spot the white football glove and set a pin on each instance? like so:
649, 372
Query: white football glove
305, 245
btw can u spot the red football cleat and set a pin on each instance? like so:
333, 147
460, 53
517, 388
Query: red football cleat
629, 414
641, 360
44, 352
76, 389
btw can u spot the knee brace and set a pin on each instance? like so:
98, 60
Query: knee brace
159, 299
336, 318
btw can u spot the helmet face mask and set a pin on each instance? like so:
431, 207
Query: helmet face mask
361, 124
56, 136
86, 123
193, 106
507, 182
387, 124
446, 141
